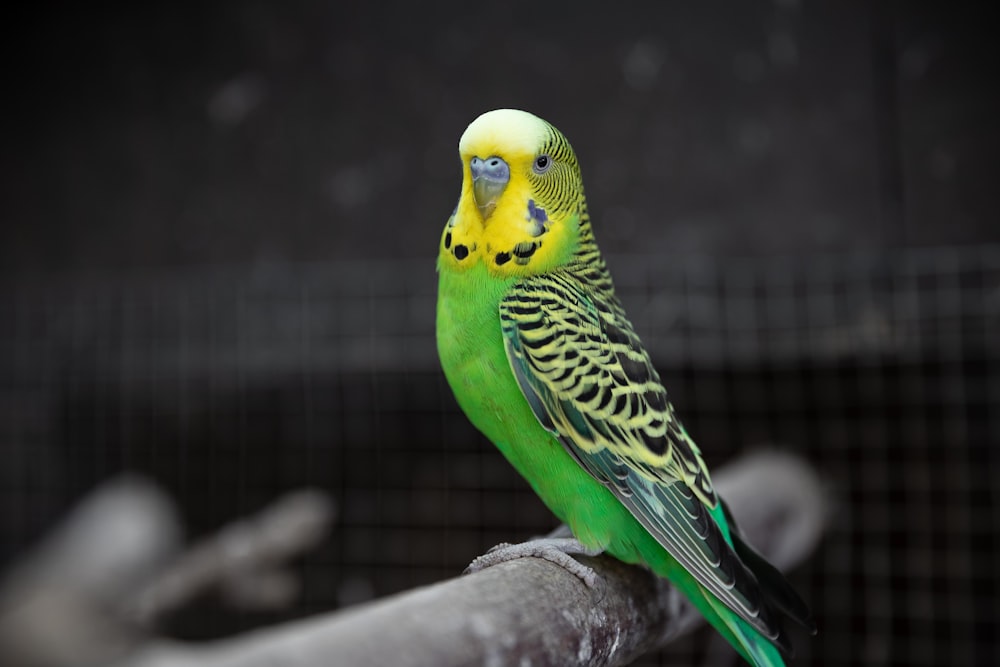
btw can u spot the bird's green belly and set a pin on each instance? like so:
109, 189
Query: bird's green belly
471, 348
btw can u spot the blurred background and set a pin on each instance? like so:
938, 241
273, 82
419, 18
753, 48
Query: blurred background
219, 227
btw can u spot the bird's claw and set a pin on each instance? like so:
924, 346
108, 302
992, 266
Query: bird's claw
554, 550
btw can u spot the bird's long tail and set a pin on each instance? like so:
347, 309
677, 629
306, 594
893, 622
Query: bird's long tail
753, 646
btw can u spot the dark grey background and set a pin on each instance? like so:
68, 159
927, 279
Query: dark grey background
216, 268
180, 133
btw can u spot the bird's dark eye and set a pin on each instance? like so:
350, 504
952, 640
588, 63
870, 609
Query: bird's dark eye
542, 164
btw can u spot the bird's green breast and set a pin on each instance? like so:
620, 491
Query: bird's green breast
471, 348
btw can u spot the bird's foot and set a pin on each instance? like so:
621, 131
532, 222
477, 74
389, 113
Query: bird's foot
554, 549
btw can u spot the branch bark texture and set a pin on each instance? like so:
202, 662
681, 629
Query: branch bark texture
528, 611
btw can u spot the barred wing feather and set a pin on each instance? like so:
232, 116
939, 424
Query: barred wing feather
589, 381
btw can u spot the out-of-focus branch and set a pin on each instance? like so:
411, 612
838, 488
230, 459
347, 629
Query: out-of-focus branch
528, 610
90, 593
242, 561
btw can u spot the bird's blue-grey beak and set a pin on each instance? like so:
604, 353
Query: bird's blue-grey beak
489, 178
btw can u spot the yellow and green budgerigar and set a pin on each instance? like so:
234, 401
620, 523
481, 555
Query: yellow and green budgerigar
543, 360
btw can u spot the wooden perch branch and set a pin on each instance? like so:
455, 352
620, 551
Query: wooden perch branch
88, 596
527, 611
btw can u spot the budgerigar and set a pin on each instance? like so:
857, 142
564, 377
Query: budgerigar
543, 360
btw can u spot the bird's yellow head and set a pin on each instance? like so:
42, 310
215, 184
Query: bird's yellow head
522, 198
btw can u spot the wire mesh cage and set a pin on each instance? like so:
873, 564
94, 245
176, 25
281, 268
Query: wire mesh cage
229, 386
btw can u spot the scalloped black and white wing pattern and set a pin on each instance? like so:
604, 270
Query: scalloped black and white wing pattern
590, 382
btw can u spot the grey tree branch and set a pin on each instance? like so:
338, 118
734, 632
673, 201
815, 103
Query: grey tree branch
242, 561
64, 610
529, 611
92, 592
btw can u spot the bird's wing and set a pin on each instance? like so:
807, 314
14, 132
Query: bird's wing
588, 380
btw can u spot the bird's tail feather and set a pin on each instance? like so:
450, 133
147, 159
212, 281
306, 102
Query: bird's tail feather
753, 646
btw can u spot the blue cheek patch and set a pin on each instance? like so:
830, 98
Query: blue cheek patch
536, 212
537, 217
